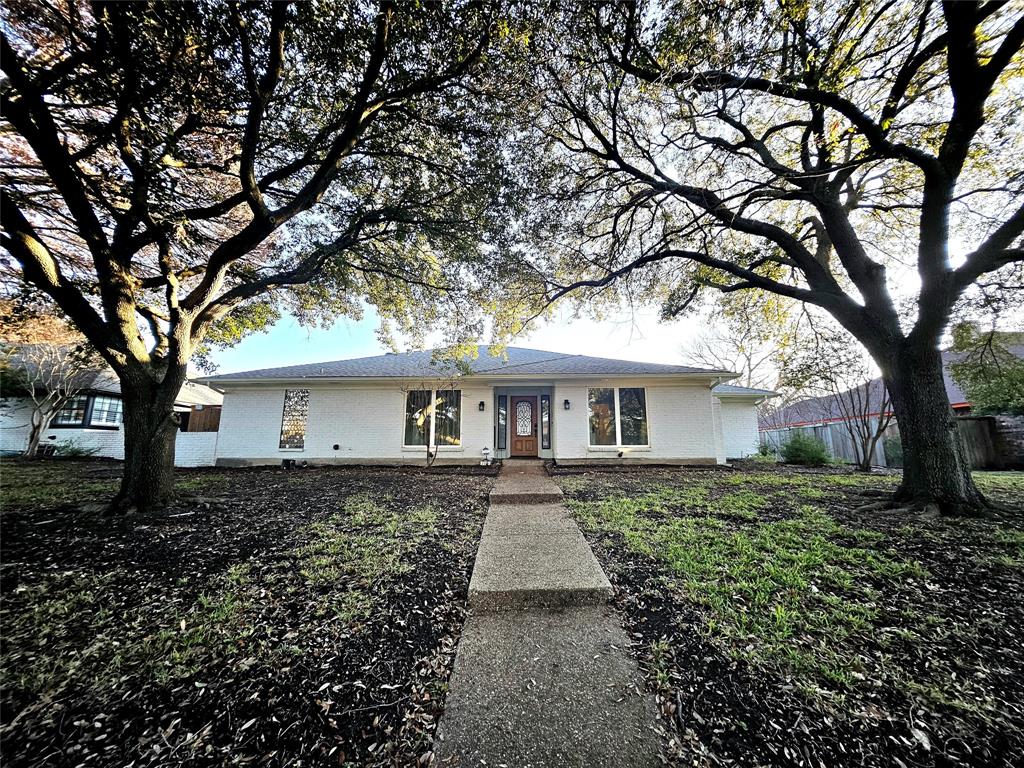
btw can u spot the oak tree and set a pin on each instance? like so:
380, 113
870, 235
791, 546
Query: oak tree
862, 157
179, 173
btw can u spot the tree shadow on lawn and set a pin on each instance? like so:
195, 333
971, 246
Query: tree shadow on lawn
780, 627
308, 615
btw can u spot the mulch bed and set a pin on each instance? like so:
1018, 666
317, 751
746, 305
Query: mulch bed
213, 633
718, 709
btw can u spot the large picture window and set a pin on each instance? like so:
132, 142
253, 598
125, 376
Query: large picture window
618, 416
602, 417
293, 419
85, 411
633, 415
433, 417
448, 417
417, 417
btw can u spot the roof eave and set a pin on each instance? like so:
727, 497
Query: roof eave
214, 381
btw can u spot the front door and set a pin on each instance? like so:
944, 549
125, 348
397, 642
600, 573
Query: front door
524, 426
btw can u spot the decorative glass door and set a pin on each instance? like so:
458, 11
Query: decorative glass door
524, 426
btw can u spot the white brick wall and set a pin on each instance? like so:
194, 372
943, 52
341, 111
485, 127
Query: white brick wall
680, 421
14, 424
192, 449
366, 423
739, 427
716, 414
195, 449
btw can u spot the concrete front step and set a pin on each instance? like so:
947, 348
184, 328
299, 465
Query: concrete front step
525, 482
534, 555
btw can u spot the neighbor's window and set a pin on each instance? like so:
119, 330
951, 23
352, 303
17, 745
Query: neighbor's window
73, 412
502, 421
417, 417
545, 421
602, 416
293, 418
448, 417
633, 415
618, 416
433, 417
106, 411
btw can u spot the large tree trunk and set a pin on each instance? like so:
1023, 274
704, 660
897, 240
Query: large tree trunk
150, 427
935, 466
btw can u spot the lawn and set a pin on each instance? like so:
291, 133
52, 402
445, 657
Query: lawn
307, 617
778, 625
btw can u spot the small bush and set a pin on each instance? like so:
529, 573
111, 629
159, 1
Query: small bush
803, 449
72, 449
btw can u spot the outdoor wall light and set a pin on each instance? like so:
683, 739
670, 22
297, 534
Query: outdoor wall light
482, 405
566, 405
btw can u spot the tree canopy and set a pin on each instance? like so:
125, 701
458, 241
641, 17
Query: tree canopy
168, 164
820, 151
864, 158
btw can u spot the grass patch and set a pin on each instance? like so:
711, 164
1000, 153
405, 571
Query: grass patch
46, 484
355, 551
789, 591
345, 565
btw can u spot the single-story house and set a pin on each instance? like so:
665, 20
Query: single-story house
92, 421
406, 407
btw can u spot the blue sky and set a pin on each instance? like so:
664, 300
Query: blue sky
631, 337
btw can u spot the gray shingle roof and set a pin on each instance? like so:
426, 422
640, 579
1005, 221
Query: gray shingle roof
516, 361
736, 390
102, 380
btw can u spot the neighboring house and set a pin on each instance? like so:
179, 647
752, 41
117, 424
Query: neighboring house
823, 418
402, 408
93, 421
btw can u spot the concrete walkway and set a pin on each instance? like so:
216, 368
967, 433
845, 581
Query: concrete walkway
543, 675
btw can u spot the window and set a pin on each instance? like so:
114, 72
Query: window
618, 416
417, 417
633, 415
433, 417
293, 419
106, 411
448, 417
602, 417
73, 412
502, 422
545, 421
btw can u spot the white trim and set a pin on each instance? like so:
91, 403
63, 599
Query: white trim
619, 445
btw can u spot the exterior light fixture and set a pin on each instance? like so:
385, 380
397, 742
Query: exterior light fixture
565, 405
482, 405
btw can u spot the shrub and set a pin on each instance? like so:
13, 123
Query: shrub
803, 449
72, 449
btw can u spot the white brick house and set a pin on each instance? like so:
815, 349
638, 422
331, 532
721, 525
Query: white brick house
395, 408
92, 421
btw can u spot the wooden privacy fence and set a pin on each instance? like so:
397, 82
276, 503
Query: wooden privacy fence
991, 442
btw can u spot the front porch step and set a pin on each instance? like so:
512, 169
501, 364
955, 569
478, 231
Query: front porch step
525, 482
